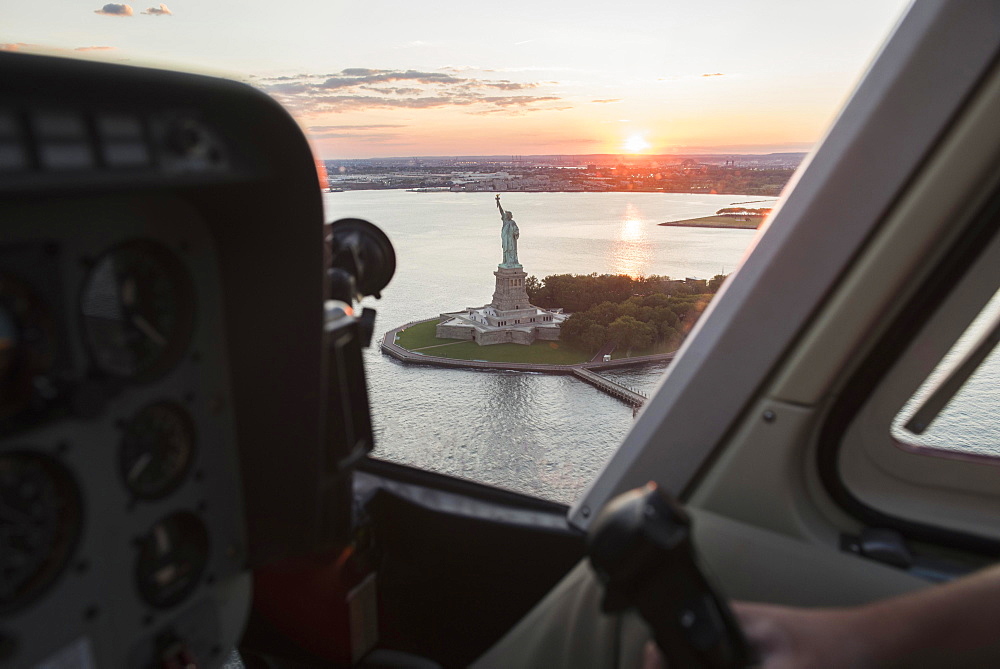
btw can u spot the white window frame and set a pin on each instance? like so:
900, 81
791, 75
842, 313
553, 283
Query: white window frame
954, 490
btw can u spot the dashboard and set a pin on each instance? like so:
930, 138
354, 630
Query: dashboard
118, 397
162, 431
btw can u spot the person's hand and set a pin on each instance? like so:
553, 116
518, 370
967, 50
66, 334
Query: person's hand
942, 627
787, 638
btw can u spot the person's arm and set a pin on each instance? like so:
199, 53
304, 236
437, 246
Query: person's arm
947, 626
953, 625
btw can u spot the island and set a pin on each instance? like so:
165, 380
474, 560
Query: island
616, 319
739, 218
563, 324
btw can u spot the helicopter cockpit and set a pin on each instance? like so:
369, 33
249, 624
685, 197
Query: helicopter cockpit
184, 417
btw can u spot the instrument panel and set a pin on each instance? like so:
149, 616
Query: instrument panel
163, 363
119, 478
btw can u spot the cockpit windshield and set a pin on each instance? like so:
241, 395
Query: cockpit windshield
637, 148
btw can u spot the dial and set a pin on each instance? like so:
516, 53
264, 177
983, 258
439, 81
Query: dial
138, 309
39, 524
157, 450
27, 344
172, 557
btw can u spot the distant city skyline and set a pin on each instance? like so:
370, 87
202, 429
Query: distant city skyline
607, 158
369, 80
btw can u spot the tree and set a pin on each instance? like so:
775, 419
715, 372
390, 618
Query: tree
716, 282
605, 312
655, 300
533, 287
662, 319
594, 337
572, 328
669, 334
630, 333
642, 311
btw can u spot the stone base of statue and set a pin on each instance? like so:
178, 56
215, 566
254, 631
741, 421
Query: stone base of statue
509, 318
510, 293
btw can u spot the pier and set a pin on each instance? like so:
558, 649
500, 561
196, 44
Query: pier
628, 395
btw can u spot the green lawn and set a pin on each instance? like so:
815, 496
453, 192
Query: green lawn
718, 222
420, 335
421, 338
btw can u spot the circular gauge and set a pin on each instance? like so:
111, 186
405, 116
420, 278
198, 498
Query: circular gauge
157, 450
39, 524
138, 309
27, 344
171, 559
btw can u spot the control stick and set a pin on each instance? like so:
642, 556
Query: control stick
640, 546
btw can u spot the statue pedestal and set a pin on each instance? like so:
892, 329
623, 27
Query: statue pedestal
510, 294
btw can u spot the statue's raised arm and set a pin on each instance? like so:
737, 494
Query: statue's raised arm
499, 207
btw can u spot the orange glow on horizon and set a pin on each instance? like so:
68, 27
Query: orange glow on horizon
446, 132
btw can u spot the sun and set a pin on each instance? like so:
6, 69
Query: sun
635, 144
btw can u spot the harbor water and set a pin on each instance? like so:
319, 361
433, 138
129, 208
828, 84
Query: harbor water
546, 436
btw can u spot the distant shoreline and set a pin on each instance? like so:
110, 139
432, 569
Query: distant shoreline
350, 187
727, 222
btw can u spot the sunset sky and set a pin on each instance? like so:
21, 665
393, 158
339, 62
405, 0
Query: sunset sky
371, 79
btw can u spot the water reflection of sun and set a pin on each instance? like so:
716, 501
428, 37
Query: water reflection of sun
630, 253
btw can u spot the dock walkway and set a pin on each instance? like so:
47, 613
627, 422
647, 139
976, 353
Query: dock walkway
628, 395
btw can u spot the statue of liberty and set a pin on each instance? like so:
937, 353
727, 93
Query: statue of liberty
508, 237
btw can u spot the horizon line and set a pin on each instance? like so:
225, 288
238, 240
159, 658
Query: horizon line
579, 155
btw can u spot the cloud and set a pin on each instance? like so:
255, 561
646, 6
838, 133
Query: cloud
714, 74
162, 10
287, 90
508, 85
607, 101
113, 9
357, 77
389, 90
359, 89
372, 132
370, 126
95, 48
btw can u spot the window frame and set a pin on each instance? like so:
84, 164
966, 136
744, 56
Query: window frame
926, 493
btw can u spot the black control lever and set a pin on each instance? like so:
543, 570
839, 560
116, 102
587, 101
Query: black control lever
640, 546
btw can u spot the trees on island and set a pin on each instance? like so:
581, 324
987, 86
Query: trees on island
633, 314
579, 292
743, 212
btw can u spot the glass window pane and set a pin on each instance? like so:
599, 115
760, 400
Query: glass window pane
597, 123
968, 422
